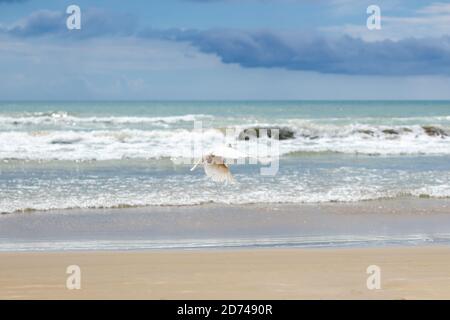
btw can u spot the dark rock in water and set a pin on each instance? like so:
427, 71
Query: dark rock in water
68, 141
434, 131
368, 132
390, 131
307, 136
283, 133
406, 130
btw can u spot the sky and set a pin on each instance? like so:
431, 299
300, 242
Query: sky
224, 50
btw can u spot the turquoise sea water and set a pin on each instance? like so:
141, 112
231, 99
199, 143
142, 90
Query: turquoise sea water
56, 155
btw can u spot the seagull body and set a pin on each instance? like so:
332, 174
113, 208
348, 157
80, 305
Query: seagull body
215, 165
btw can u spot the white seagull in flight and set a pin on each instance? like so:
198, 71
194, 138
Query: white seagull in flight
215, 165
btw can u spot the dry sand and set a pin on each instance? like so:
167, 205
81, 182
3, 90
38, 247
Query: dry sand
406, 273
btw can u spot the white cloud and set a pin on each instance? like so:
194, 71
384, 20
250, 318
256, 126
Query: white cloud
429, 21
436, 8
100, 68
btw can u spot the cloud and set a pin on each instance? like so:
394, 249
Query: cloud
298, 51
95, 22
436, 8
432, 20
38, 23
335, 55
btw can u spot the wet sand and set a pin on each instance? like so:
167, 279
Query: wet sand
408, 221
406, 273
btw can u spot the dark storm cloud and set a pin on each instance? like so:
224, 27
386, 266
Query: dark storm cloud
53, 23
338, 55
263, 49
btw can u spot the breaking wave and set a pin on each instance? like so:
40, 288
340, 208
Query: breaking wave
137, 200
63, 119
130, 143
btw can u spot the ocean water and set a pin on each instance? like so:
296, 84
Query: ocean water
62, 155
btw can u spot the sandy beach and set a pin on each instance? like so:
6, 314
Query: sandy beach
406, 273
230, 252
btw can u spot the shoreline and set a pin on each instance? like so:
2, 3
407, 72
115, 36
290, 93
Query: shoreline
364, 224
405, 199
406, 273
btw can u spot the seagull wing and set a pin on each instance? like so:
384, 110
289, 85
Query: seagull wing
228, 153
